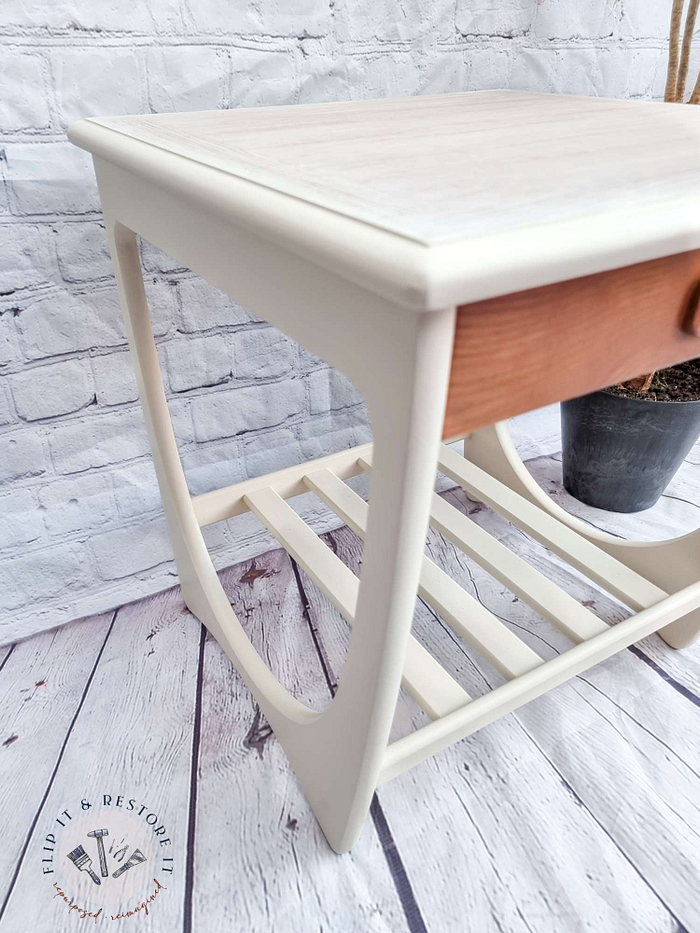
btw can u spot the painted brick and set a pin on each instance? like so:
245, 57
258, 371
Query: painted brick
77, 504
534, 70
182, 78
26, 256
115, 382
136, 489
614, 73
7, 410
75, 15
82, 251
198, 361
575, 71
262, 353
390, 75
130, 550
155, 260
643, 20
443, 72
43, 575
21, 520
204, 307
330, 390
262, 78
273, 451
66, 320
97, 441
324, 79
213, 466
329, 433
56, 389
227, 413
503, 18
561, 19
51, 177
356, 20
8, 337
181, 418
98, 82
261, 17
489, 69
23, 102
21, 455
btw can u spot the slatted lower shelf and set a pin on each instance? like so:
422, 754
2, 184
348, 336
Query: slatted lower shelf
454, 713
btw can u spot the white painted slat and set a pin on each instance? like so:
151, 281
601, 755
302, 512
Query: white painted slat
545, 597
408, 751
431, 686
633, 589
465, 615
555, 605
221, 504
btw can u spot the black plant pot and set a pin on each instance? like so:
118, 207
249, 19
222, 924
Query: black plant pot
621, 453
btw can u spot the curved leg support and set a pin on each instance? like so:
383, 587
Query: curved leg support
338, 754
671, 564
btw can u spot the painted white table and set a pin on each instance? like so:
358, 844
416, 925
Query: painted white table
462, 258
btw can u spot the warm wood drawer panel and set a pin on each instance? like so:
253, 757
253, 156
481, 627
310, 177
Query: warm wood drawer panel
521, 351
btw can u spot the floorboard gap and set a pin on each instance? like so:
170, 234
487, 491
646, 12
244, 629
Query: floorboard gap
5, 659
194, 770
664, 675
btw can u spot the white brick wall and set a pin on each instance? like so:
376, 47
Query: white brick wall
80, 523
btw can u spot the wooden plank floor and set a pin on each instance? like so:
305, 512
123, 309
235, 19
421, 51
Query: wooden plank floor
580, 812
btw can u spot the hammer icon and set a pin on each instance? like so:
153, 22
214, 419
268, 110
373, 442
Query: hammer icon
98, 834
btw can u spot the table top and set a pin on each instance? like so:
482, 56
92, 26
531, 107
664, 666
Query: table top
493, 190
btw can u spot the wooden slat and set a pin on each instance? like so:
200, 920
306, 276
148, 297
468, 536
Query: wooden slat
608, 327
431, 686
417, 746
555, 605
221, 504
545, 597
464, 614
633, 589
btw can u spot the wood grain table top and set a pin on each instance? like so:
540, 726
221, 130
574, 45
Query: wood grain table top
473, 194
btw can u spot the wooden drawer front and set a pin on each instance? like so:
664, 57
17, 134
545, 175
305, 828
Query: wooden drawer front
521, 351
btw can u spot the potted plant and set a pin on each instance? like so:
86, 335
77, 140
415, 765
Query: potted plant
622, 446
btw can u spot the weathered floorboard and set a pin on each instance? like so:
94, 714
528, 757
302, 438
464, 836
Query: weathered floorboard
261, 861
133, 736
42, 684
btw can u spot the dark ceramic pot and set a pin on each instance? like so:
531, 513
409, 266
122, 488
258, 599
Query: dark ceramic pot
621, 453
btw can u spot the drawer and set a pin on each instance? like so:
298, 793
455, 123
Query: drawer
524, 350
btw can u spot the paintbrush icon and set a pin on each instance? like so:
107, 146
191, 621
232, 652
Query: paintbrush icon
82, 862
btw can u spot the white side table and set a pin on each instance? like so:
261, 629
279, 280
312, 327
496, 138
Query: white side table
462, 258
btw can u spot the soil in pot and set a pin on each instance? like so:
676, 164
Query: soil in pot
621, 447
